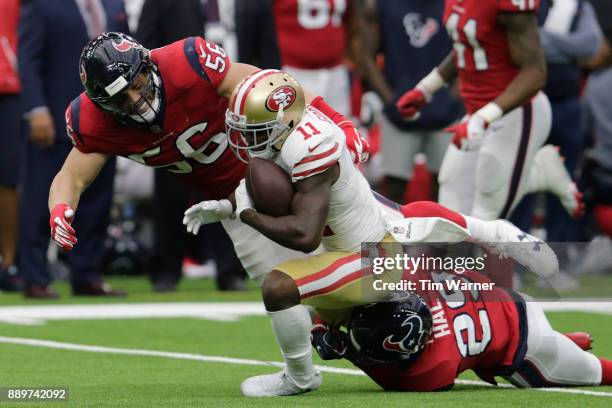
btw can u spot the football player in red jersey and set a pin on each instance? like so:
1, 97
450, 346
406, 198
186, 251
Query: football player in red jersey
308, 39
161, 108
492, 161
422, 341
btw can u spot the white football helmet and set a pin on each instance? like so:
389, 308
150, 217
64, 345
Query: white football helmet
263, 110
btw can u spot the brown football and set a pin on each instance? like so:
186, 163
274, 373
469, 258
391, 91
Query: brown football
269, 186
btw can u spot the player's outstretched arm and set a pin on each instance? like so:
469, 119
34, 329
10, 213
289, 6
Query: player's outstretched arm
78, 171
237, 72
527, 54
302, 230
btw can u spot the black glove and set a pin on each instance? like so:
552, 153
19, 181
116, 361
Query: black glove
330, 343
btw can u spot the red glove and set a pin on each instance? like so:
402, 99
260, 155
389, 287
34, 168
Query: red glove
62, 232
356, 144
412, 102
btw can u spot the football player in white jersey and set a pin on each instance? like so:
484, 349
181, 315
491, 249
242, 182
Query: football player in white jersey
334, 206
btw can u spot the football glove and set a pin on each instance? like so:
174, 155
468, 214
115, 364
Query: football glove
62, 232
410, 103
356, 144
206, 212
330, 343
469, 135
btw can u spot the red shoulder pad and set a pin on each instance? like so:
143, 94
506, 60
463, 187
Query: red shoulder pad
207, 59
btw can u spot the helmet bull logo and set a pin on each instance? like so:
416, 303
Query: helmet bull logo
125, 45
283, 96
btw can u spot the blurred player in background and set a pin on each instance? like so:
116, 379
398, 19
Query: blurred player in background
422, 343
570, 34
411, 38
309, 39
161, 108
501, 68
333, 205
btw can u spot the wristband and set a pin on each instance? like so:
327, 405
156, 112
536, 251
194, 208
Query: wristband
490, 112
225, 208
431, 83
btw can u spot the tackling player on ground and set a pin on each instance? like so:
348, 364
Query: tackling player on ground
424, 340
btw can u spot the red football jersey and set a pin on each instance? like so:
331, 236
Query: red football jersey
482, 54
311, 33
192, 142
477, 330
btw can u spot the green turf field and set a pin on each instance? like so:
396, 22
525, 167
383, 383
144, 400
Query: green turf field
103, 377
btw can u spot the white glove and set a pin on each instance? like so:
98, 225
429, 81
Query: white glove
206, 212
243, 201
468, 135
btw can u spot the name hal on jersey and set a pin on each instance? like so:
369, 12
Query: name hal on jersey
440, 327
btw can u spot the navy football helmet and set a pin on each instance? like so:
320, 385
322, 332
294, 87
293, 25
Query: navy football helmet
391, 332
112, 63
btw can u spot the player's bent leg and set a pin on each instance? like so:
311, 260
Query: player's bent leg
331, 280
506, 156
552, 359
498, 236
258, 254
548, 173
291, 324
279, 291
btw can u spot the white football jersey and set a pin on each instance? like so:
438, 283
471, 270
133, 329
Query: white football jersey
355, 215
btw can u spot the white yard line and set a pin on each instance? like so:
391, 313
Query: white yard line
240, 361
224, 311
36, 315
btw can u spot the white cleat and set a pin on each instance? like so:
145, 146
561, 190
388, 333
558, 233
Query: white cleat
559, 181
531, 252
279, 384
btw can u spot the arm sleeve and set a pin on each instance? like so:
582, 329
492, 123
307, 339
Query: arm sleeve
517, 6
31, 55
583, 42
